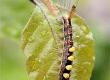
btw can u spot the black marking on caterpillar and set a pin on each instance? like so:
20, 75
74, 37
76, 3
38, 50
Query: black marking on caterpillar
68, 43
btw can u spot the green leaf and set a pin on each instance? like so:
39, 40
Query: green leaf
43, 48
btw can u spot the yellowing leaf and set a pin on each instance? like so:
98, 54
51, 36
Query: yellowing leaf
43, 47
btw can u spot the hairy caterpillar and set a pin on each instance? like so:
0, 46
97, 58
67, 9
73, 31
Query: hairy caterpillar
68, 51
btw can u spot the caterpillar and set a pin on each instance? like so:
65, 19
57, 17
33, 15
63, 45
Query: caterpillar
69, 48
68, 51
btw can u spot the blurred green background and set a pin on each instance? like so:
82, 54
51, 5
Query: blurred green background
14, 14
